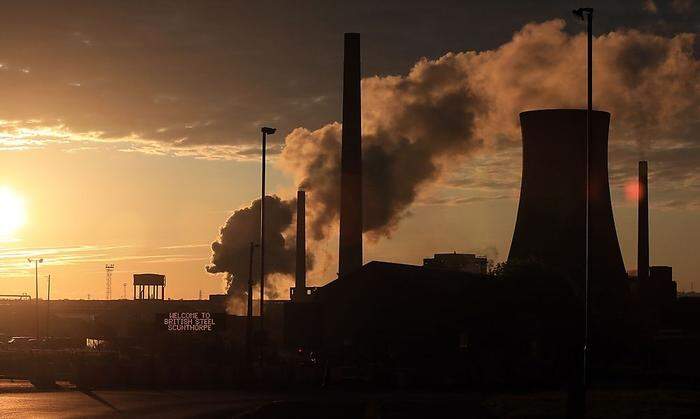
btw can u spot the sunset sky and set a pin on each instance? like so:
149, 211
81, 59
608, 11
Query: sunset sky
129, 131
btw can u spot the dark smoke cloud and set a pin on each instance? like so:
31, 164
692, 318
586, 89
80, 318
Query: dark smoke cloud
231, 251
410, 124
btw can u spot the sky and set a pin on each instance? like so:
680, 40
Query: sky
129, 130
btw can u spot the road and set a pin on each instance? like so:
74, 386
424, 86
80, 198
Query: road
20, 400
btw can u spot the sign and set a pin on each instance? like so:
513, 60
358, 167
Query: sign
196, 321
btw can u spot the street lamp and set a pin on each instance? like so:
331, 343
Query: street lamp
48, 307
265, 132
36, 283
586, 13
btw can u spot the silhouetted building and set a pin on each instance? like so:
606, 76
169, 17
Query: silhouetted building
465, 262
437, 322
551, 221
149, 287
350, 241
659, 289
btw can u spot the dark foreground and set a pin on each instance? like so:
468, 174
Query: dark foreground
18, 399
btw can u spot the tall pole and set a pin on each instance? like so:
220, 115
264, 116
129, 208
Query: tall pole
36, 300
36, 292
265, 131
589, 111
48, 307
262, 231
577, 399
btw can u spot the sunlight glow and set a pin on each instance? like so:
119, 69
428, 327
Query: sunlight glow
632, 190
12, 212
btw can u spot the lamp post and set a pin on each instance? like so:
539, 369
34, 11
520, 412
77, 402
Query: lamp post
579, 408
36, 283
48, 307
265, 132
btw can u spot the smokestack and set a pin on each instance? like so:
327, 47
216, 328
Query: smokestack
350, 249
643, 223
300, 278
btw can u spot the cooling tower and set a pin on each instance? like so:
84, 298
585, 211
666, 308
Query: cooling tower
551, 223
350, 246
643, 223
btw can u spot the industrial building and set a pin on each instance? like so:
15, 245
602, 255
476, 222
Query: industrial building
467, 262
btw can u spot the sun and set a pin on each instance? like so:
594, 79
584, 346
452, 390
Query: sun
12, 212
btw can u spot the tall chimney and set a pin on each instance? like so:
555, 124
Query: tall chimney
643, 223
350, 252
300, 278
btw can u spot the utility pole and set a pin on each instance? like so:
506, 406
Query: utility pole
124, 292
577, 408
48, 307
36, 284
265, 132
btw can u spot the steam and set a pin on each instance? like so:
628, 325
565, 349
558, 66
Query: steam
409, 124
231, 253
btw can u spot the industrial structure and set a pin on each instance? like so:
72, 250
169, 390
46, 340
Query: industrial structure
300, 292
643, 222
109, 268
465, 262
551, 223
149, 287
350, 245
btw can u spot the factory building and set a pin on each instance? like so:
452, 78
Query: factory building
465, 262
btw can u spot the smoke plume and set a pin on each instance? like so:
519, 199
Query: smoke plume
231, 253
418, 127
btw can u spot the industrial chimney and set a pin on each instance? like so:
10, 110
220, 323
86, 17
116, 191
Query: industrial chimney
350, 246
551, 223
643, 223
300, 277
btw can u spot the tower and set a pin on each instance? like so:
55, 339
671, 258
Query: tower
643, 223
109, 268
551, 222
300, 274
350, 245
